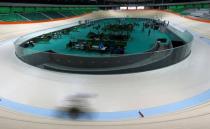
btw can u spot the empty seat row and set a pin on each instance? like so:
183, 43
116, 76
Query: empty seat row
29, 15
6, 10
34, 16
12, 17
54, 14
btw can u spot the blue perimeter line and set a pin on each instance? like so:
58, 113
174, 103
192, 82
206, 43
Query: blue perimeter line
109, 116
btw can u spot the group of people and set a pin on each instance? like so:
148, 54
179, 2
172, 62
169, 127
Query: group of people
100, 47
152, 24
28, 44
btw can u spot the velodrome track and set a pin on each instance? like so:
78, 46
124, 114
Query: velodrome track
139, 90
